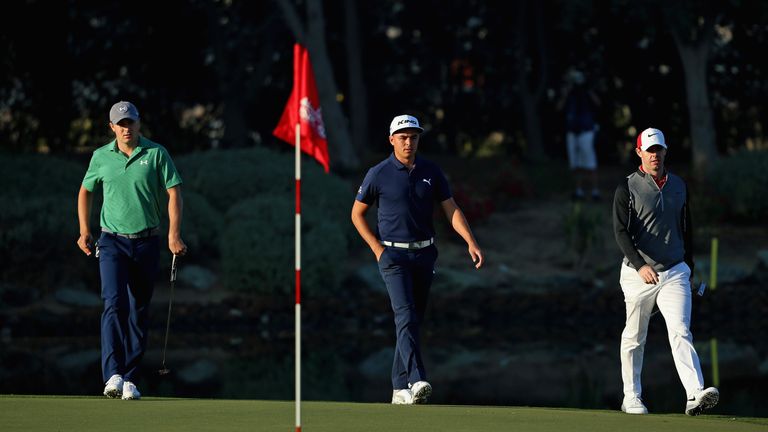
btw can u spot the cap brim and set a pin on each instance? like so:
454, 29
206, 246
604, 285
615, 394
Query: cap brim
116, 121
646, 147
421, 130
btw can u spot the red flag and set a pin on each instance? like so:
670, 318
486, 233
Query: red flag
304, 107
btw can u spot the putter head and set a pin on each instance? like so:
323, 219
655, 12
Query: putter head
163, 371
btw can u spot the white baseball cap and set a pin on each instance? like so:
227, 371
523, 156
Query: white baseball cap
649, 138
404, 122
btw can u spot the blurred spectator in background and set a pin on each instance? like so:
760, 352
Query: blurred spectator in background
580, 104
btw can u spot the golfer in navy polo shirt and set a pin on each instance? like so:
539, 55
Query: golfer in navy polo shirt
405, 188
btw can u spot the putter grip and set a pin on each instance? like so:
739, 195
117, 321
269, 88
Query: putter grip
173, 269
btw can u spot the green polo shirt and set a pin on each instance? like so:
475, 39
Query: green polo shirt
133, 186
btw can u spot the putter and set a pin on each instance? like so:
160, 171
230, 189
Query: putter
699, 292
165, 370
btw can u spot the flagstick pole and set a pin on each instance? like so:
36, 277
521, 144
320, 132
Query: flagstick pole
298, 277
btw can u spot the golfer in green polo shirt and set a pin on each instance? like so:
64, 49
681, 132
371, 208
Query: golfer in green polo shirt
134, 174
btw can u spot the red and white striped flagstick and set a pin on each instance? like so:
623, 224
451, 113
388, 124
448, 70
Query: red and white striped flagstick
298, 277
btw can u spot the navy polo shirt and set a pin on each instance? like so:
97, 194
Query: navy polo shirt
405, 200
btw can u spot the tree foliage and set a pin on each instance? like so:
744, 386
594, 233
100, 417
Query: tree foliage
216, 74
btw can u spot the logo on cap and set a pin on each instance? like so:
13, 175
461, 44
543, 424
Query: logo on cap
404, 122
121, 110
649, 138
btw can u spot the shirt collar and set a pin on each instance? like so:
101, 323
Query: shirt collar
660, 181
399, 165
116, 149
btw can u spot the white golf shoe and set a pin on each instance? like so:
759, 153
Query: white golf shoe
702, 400
633, 405
114, 387
421, 391
402, 397
130, 392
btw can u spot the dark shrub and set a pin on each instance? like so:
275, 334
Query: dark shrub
200, 229
257, 248
741, 183
39, 223
225, 177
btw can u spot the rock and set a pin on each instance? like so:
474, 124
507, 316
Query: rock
198, 372
78, 361
377, 364
553, 281
763, 368
762, 258
735, 360
727, 272
369, 275
17, 295
515, 375
77, 296
761, 269
197, 277
451, 280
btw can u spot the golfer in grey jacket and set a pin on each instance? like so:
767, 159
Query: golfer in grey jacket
652, 225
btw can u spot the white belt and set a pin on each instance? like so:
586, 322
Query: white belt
411, 245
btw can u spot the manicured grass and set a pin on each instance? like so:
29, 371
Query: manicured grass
62, 413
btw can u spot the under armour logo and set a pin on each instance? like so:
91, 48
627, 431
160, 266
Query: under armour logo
122, 108
144, 162
427, 181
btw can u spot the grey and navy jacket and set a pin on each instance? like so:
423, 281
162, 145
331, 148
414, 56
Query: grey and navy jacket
653, 226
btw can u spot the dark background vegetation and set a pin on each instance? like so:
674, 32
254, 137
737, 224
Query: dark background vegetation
210, 79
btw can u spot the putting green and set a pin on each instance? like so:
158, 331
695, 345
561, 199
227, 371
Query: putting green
62, 413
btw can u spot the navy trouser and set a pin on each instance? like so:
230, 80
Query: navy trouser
128, 268
408, 276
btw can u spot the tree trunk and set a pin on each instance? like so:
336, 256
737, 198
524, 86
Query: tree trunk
693, 42
342, 153
529, 98
356, 92
230, 81
704, 149
235, 127
532, 124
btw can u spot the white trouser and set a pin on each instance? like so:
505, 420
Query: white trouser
581, 150
673, 296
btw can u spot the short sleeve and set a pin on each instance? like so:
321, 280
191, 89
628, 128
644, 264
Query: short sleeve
367, 191
169, 175
92, 178
442, 188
